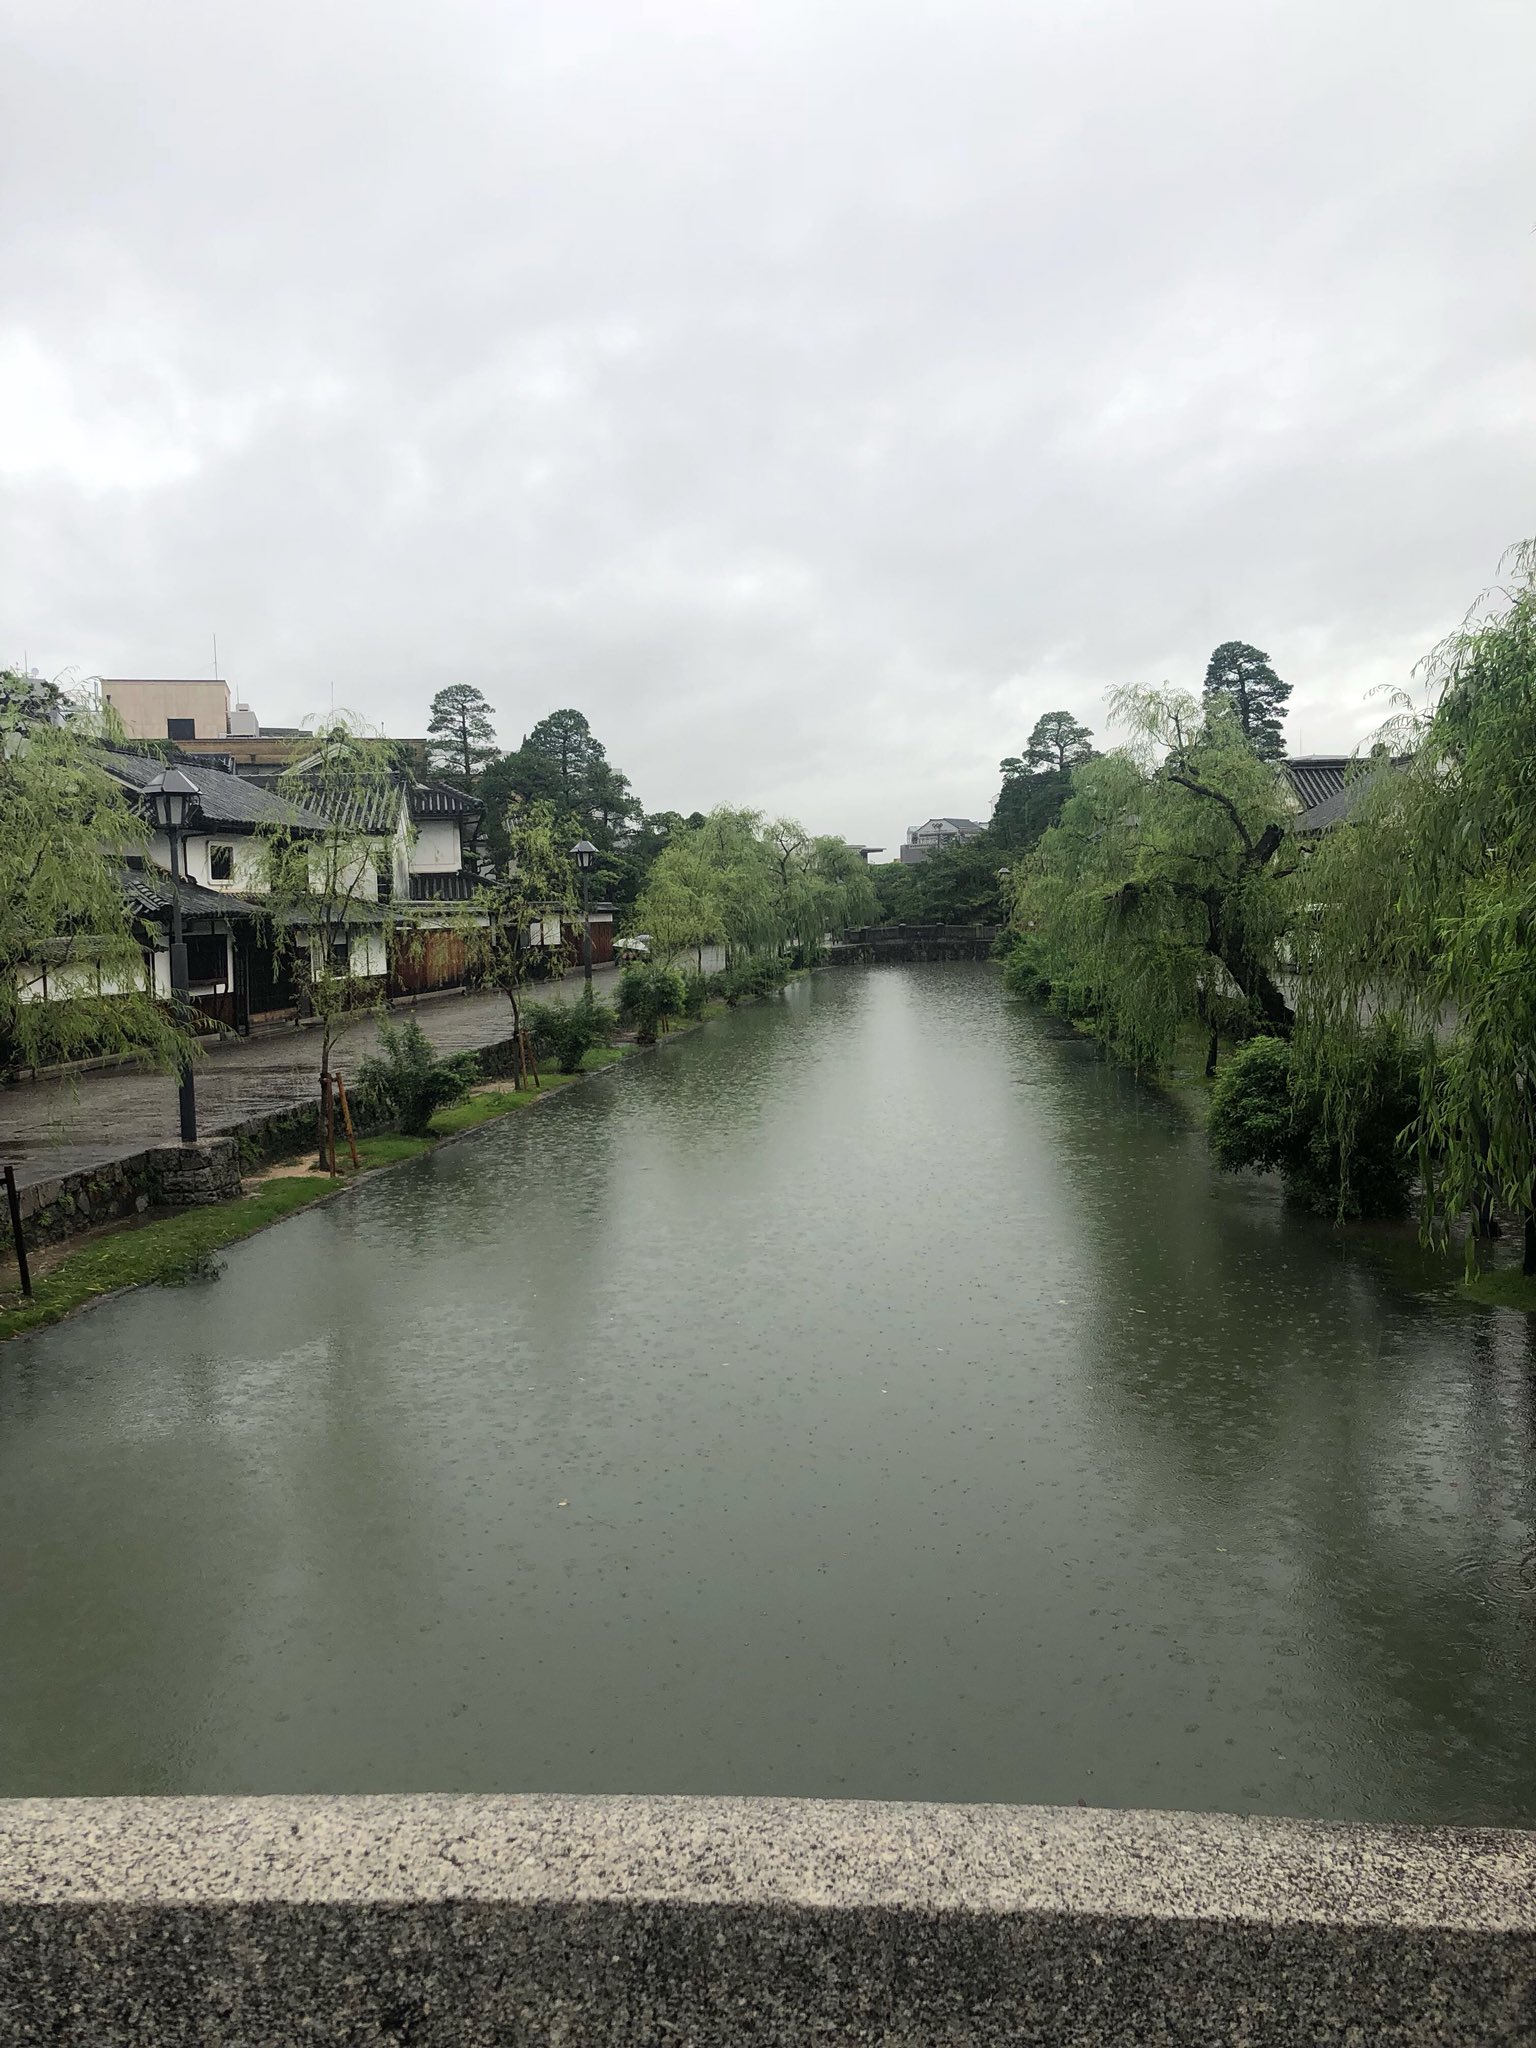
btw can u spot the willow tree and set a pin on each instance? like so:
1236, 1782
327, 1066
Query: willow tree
820, 884
322, 859
534, 881
72, 974
682, 906
715, 885
1158, 901
753, 886
1422, 916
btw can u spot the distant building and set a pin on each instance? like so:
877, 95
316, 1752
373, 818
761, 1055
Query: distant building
937, 832
200, 717
154, 708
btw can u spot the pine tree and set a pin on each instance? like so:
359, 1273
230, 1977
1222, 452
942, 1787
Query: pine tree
1239, 679
462, 738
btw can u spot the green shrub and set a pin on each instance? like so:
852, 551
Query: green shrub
1251, 1122
1265, 1115
695, 994
649, 997
567, 1032
1023, 974
409, 1078
760, 974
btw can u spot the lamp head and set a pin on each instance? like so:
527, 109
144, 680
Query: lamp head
584, 853
171, 795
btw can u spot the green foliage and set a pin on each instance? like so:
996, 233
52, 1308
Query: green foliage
1027, 806
563, 747
412, 1079
1251, 1122
1421, 910
1038, 782
695, 994
738, 881
534, 878
1057, 743
763, 974
1240, 684
1024, 973
960, 884
569, 1031
1269, 1114
1160, 900
318, 869
650, 996
65, 829
462, 738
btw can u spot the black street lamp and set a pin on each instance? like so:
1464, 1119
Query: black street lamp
584, 853
170, 796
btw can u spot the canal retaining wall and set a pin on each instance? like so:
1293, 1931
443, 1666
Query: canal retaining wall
621, 1922
871, 944
174, 1175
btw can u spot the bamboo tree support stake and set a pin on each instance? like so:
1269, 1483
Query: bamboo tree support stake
526, 1062
346, 1117
13, 1203
328, 1134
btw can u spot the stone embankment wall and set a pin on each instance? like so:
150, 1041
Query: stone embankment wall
871, 943
169, 1176
209, 1171
622, 1923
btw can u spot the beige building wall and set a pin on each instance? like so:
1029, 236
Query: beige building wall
147, 707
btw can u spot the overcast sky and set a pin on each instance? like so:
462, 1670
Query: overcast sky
811, 391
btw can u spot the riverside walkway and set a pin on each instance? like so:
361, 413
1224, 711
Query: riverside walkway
74, 1122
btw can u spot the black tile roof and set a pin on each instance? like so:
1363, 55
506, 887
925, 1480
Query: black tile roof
148, 891
447, 888
371, 807
1315, 777
439, 800
222, 799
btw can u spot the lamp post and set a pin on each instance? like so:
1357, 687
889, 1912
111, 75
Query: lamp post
584, 853
169, 796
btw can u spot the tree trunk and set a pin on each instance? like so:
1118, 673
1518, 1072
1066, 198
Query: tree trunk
518, 1068
1261, 991
1528, 1263
327, 1122
1211, 1050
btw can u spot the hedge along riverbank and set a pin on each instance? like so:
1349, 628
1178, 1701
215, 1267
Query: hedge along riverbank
1419, 1268
169, 1249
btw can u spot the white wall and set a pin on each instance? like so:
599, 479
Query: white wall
437, 850
75, 978
249, 874
367, 954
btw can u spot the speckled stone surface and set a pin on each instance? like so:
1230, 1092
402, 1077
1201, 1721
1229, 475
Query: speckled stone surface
469, 1921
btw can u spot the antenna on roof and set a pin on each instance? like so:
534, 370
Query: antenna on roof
215, 657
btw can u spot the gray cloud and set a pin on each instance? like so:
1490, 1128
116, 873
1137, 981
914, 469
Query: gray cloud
814, 394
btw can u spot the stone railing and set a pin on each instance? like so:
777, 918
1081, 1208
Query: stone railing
616, 1923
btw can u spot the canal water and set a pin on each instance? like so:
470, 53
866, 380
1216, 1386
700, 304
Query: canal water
872, 1395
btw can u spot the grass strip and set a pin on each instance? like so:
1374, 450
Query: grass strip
1502, 1289
168, 1250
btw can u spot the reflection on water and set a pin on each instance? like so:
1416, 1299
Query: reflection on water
872, 1395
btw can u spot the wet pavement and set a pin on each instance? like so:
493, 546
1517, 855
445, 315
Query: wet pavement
78, 1121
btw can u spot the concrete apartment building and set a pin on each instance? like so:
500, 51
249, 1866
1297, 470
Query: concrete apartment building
154, 708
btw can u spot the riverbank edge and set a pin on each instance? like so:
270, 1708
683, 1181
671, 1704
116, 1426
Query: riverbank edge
179, 1245
1189, 1091
612, 1919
